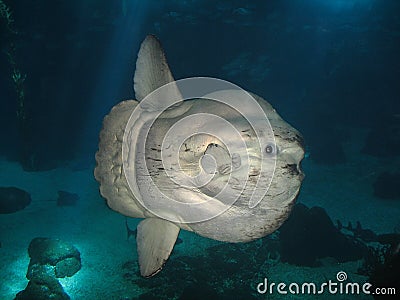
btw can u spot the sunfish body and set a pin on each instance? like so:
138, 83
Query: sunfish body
198, 181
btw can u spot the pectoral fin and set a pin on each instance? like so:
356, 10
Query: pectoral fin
155, 240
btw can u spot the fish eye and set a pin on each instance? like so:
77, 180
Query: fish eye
270, 149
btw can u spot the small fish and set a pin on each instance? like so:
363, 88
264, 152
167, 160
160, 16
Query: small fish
129, 232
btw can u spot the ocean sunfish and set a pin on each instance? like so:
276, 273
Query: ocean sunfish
197, 154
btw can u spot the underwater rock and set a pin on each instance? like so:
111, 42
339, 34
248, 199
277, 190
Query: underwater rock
67, 198
13, 199
67, 267
387, 274
37, 270
50, 258
309, 235
42, 287
64, 257
386, 186
392, 239
366, 235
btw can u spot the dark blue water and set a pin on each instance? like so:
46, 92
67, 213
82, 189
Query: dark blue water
331, 68
336, 60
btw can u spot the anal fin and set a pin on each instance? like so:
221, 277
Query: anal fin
155, 240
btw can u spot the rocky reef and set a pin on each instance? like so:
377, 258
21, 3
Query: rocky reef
50, 259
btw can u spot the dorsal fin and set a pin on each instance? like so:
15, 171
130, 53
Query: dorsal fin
152, 70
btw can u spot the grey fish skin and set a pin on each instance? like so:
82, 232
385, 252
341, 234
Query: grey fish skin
248, 224
241, 220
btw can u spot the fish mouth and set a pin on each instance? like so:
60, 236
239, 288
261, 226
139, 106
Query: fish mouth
292, 156
293, 169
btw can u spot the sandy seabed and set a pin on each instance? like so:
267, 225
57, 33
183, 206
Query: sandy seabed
345, 191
